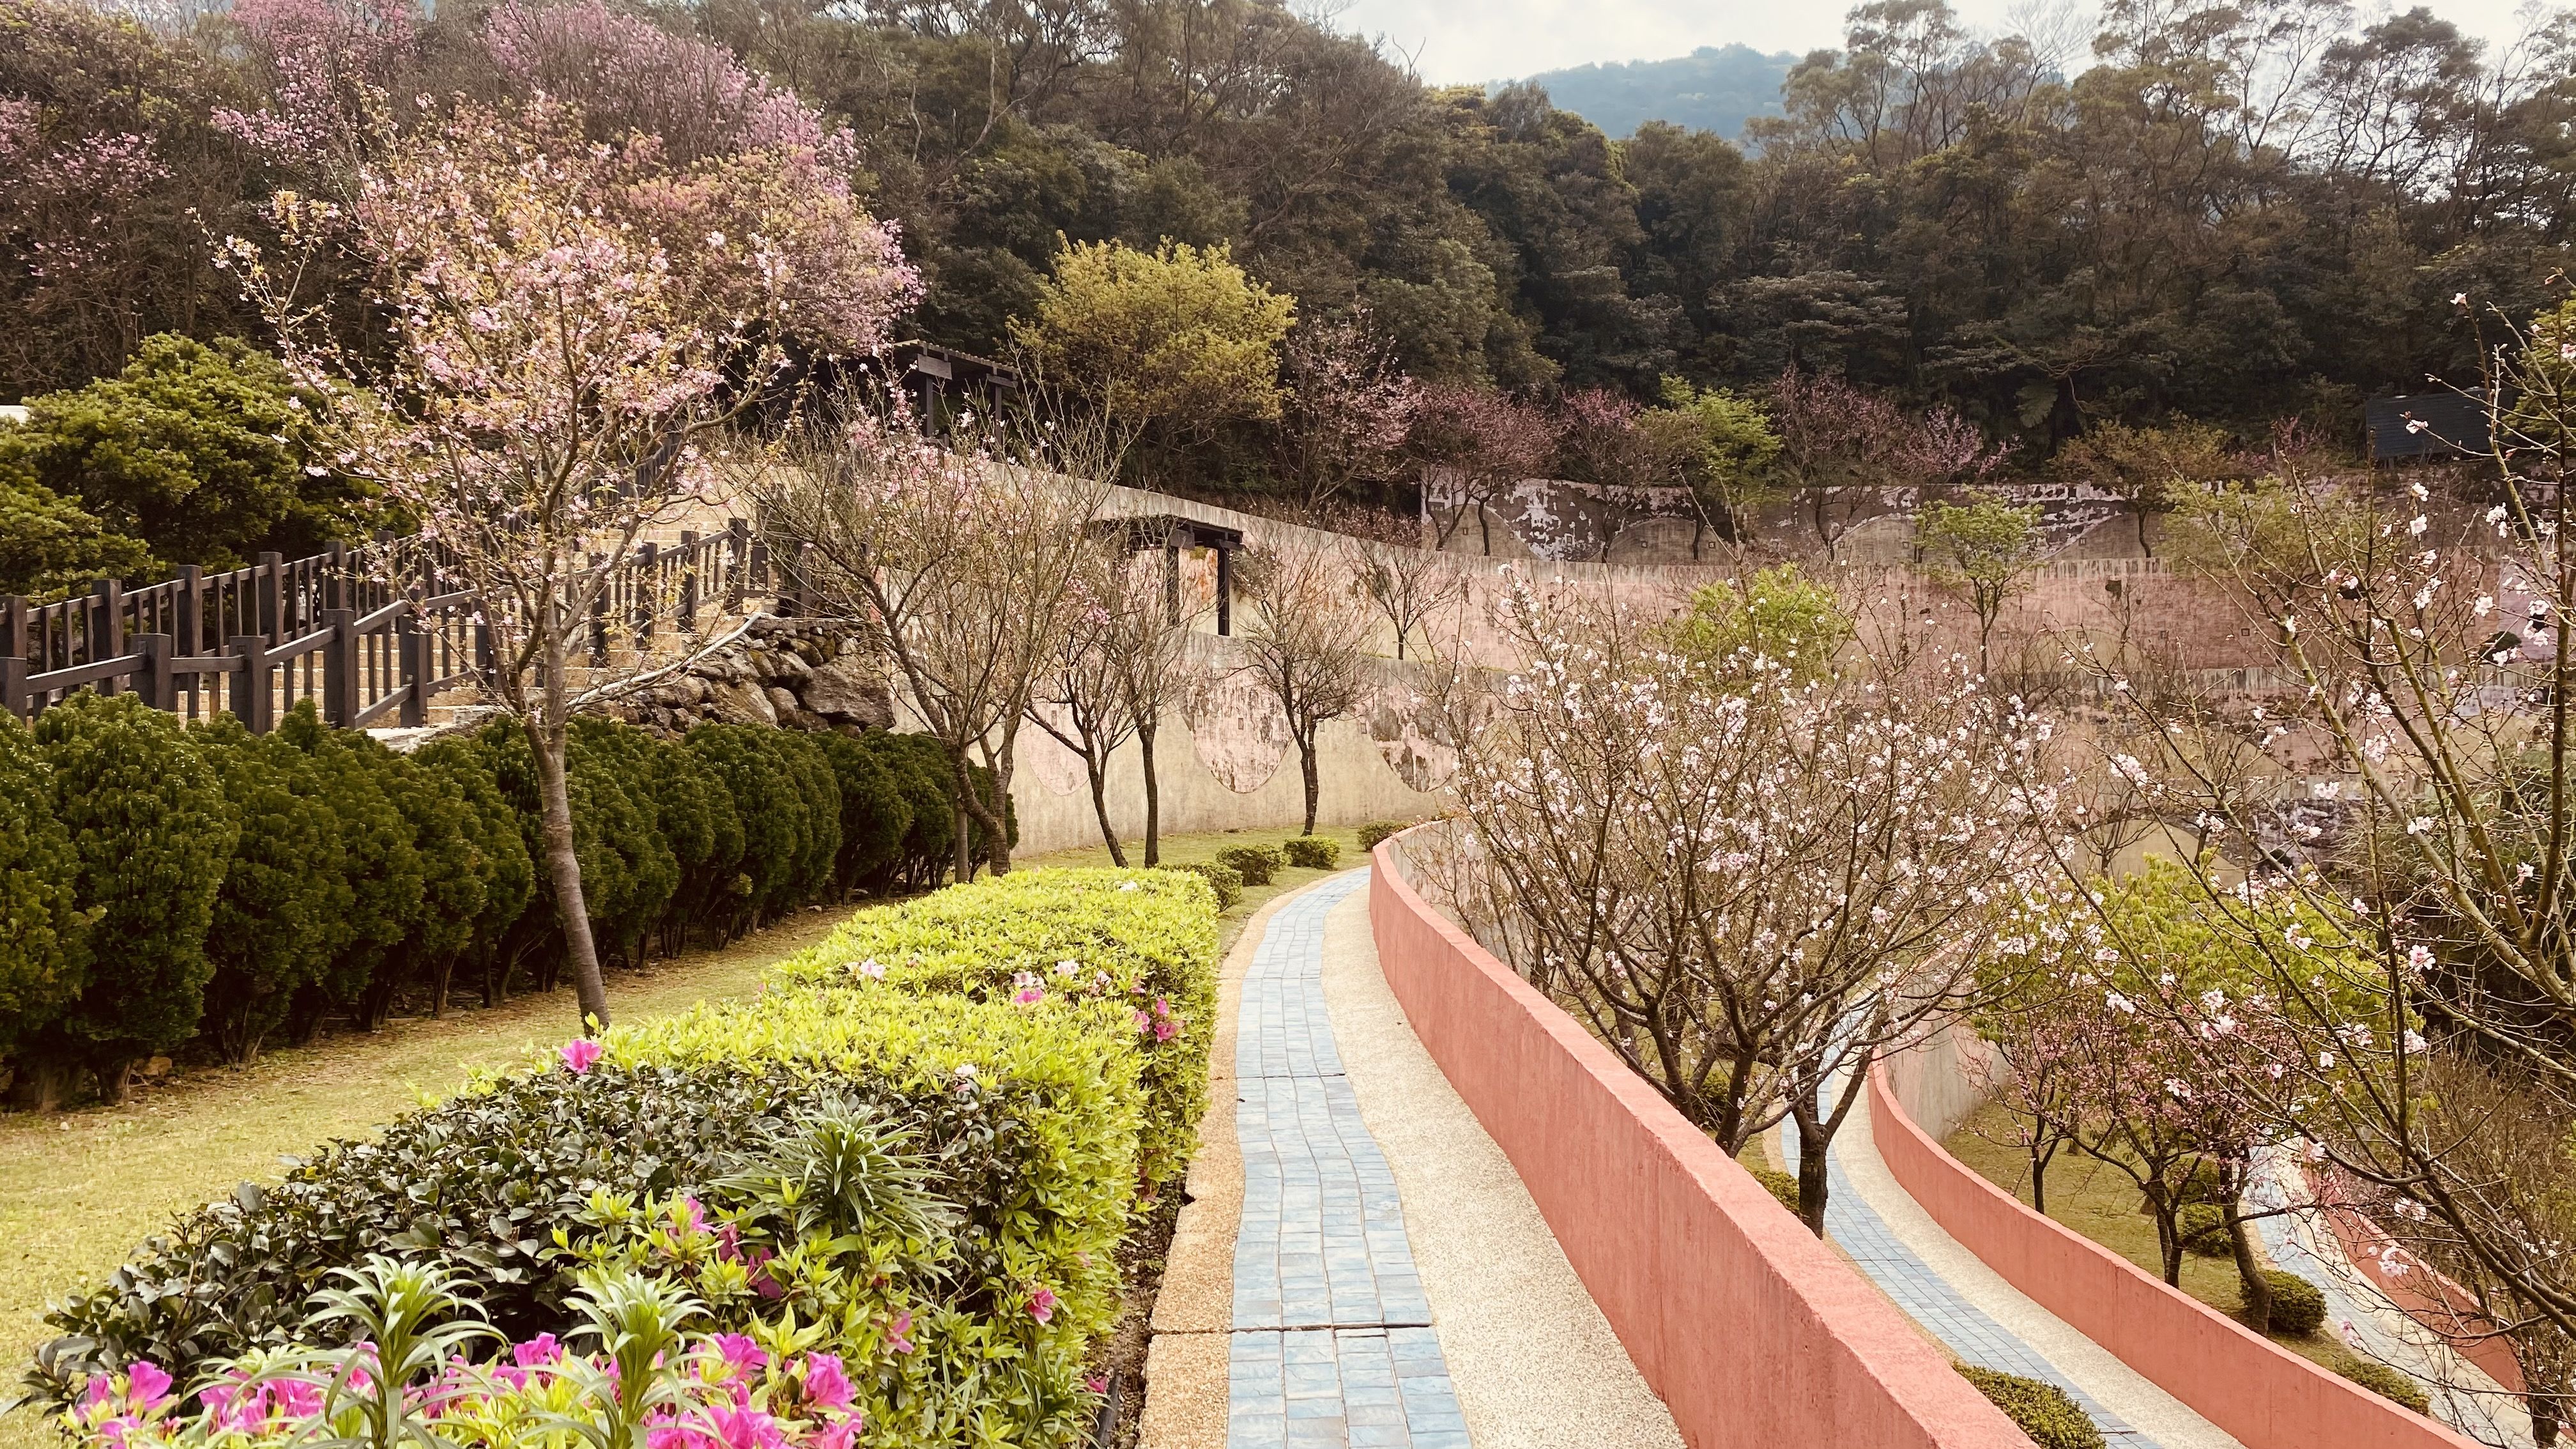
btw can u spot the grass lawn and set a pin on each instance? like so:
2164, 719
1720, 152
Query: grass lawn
79, 1189
2099, 1201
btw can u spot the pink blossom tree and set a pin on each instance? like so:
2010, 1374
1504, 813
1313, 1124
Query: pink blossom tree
573, 325
1474, 445
1347, 408
1748, 880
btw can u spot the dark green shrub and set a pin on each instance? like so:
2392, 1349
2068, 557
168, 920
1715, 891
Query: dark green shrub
45, 951
480, 1182
1374, 834
500, 852
1225, 880
2047, 1413
147, 819
446, 835
378, 858
1257, 864
2386, 1382
875, 816
1312, 852
2204, 1229
285, 894
771, 803
704, 831
818, 861
201, 450
614, 762
2298, 1308
920, 771
1783, 1186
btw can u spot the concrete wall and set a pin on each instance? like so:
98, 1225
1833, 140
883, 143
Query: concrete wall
1753, 1332
2244, 1383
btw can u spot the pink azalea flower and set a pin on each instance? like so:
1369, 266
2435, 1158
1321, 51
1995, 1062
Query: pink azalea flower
837, 1434
899, 1333
102, 1388
689, 1217
146, 1384
825, 1384
536, 1352
1028, 997
1042, 1304
743, 1355
740, 1427
580, 1054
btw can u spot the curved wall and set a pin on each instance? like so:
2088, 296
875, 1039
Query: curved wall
2265, 1395
1753, 1332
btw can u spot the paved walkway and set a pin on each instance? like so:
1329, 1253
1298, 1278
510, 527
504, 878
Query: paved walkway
1333, 1342
1391, 1282
1973, 1312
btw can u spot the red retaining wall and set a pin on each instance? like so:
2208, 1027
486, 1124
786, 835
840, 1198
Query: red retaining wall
1753, 1332
2265, 1395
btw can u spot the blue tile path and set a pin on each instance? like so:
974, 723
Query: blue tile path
1930, 1300
1332, 1342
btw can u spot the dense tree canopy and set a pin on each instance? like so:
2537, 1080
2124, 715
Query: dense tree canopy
2225, 213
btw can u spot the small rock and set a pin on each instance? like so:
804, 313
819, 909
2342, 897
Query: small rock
739, 703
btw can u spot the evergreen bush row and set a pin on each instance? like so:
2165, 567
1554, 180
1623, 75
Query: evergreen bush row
915, 1171
167, 886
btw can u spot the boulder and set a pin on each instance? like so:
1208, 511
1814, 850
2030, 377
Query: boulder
783, 702
747, 704
844, 691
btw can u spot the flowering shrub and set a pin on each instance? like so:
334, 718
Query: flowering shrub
1142, 941
905, 1181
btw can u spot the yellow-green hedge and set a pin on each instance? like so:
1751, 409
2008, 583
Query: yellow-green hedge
1139, 944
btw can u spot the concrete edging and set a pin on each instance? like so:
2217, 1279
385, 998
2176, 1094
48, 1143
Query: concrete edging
2244, 1383
1752, 1331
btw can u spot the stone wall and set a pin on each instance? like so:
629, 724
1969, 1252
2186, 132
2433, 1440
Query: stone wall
809, 674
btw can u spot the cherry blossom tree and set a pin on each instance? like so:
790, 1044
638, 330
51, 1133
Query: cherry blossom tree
1346, 410
1114, 673
1475, 445
969, 554
573, 324
1748, 881
1306, 640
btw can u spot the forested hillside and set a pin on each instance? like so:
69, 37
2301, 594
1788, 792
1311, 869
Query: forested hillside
1713, 88
2235, 213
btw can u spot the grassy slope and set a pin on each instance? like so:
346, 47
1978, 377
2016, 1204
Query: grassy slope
78, 1189
2099, 1201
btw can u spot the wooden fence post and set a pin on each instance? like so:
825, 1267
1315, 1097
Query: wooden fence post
154, 683
254, 702
688, 581
335, 576
645, 600
270, 586
107, 629
737, 563
340, 668
599, 618
412, 650
14, 612
13, 685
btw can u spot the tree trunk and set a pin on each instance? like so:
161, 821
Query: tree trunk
1307, 766
2544, 1420
1813, 1186
1100, 806
2249, 1274
563, 867
965, 835
1153, 797
2039, 1180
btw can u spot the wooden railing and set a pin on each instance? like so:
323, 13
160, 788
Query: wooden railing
371, 633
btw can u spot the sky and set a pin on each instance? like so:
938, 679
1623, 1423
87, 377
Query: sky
1460, 41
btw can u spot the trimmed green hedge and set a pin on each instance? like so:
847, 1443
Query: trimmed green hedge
930, 1174
173, 888
2298, 1307
2045, 1412
1374, 834
1312, 852
1142, 941
1225, 880
1255, 863
2388, 1383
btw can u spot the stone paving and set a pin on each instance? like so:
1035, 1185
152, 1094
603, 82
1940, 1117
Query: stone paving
1332, 1341
1930, 1300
